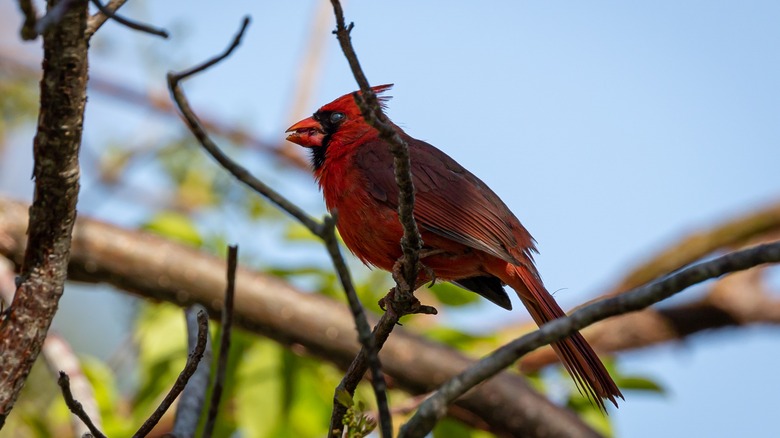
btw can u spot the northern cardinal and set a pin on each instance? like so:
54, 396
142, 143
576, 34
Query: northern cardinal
471, 236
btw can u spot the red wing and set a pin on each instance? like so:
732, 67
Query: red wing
450, 201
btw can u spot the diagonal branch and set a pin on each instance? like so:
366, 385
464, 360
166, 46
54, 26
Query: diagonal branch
96, 21
145, 28
184, 376
656, 325
436, 406
193, 397
75, 407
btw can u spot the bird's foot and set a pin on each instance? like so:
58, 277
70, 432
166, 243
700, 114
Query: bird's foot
404, 305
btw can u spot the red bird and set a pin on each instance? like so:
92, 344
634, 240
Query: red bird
474, 239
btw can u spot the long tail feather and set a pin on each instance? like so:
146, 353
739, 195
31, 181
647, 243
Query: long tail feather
577, 355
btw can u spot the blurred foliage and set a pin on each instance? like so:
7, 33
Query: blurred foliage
271, 390
18, 100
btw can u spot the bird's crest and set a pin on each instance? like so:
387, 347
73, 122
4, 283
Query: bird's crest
347, 100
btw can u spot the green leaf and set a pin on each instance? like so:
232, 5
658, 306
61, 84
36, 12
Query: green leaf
639, 383
107, 397
343, 397
452, 295
175, 226
297, 232
449, 428
161, 337
454, 337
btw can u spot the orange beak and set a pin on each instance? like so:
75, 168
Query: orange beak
307, 133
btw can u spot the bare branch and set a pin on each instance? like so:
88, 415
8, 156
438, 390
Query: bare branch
401, 302
189, 369
224, 344
96, 21
652, 326
326, 230
241, 173
75, 406
372, 112
60, 357
28, 31
193, 398
109, 13
370, 347
735, 301
56, 147
436, 406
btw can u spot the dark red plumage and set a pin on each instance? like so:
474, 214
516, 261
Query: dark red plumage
480, 244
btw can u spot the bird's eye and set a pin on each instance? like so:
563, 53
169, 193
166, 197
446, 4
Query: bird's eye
337, 118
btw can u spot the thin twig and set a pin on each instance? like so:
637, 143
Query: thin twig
189, 369
224, 343
30, 19
60, 357
64, 382
436, 406
365, 336
372, 113
129, 23
241, 173
325, 230
98, 19
193, 398
411, 243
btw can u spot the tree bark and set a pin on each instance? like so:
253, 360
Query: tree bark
44, 268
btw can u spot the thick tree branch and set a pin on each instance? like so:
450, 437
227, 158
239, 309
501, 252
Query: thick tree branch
63, 95
58, 355
155, 268
435, 407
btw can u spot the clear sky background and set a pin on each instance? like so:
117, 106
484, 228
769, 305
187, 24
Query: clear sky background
610, 128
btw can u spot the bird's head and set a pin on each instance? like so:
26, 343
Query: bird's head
339, 121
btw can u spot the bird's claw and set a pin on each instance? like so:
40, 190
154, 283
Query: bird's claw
400, 306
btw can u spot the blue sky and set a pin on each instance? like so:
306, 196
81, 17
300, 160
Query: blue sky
610, 128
